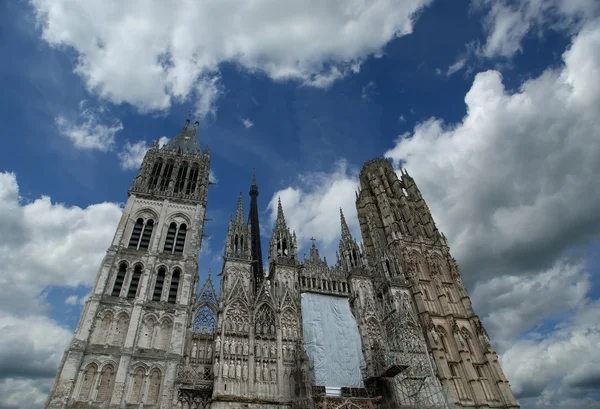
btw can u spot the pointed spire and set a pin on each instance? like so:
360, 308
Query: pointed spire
239, 215
254, 177
280, 217
186, 139
345, 229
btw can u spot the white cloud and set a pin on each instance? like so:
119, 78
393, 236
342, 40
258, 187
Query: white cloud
46, 244
503, 182
312, 207
24, 393
173, 53
71, 300
92, 130
367, 90
247, 123
508, 22
133, 153
457, 66
212, 177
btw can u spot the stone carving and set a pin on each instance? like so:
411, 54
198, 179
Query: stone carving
238, 370
225, 370
231, 369
232, 346
194, 350
273, 354
216, 368
245, 349
265, 372
245, 371
218, 343
257, 371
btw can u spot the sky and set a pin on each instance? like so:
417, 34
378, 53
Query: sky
492, 106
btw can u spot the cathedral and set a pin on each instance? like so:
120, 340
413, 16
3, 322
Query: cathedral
389, 325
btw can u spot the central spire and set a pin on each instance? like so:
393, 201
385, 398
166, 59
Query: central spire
257, 263
186, 139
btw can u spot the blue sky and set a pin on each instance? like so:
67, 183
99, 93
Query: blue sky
492, 106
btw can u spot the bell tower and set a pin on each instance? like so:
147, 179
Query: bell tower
131, 334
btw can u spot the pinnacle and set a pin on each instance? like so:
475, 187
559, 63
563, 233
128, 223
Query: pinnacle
239, 215
345, 229
280, 216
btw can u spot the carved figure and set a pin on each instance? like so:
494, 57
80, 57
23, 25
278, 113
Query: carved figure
194, 350
257, 349
272, 329
201, 354
245, 371
273, 372
245, 349
216, 368
257, 371
225, 370
209, 352
225, 346
238, 370
218, 343
231, 369
265, 350
265, 372
232, 347
284, 351
273, 355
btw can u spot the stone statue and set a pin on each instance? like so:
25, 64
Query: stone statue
232, 347
194, 350
245, 349
434, 335
273, 373
295, 332
272, 329
265, 372
273, 351
216, 368
265, 350
284, 331
257, 349
238, 370
245, 371
257, 371
225, 346
284, 351
201, 355
209, 352
218, 343
225, 370
231, 369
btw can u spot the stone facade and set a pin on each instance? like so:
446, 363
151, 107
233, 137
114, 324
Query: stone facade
145, 339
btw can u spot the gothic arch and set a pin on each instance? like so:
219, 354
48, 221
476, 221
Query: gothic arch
87, 381
205, 317
265, 320
177, 217
145, 213
139, 365
121, 325
106, 383
289, 324
154, 383
236, 317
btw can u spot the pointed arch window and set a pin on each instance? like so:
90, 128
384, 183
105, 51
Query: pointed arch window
180, 239
135, 396
88, 380
166, 176
193, 176
170, 240
119, 280
106, 384
121, 330
146, 235
158, 286
153, 387
135, 281
174, 287
155, 174
136, 233
181, 174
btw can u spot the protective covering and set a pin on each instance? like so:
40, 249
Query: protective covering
332, 341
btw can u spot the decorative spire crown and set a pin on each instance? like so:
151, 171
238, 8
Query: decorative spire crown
239, 214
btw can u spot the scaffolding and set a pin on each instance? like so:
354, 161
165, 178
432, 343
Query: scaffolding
404, 367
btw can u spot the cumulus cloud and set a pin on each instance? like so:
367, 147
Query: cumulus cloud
42, 244
503, 182
132, 154
508, 22
92, 130
312, 207
174, 53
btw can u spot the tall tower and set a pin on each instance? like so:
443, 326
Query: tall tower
257, 265
131, 334
406, 250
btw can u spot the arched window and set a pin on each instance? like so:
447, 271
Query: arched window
102, 329
389, 267
153, 387
180, 239
158, 286
119, 280
284, 247
89, 379
166, 176
135, 281
163, 335
106, 384
147, 333
154, 175
121, 330
146, 235
136, 234
181, 174
135, 396
174, 286
241, 245
170, 240
236, 245
191, 184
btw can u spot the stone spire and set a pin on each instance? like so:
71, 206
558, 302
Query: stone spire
283, 246
239, 214
349, 256
280, 222
186, 140
345, 230
254, 227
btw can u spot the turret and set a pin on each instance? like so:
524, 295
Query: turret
349, 254
282, 247
237, 244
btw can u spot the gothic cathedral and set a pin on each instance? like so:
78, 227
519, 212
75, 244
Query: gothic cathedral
390, 325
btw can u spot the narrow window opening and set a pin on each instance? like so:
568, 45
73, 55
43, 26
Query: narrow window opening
180, 239
174, 287
235, 245
136, 233
135, 281
241, 245
119, 280
170, 240
158, 287
193, 176
181, 174
284, 247
166, 176
146, 235
389, 268
154, 175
